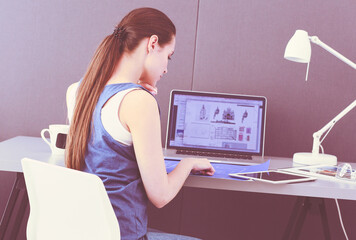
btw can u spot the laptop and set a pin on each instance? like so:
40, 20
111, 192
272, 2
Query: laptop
222, 127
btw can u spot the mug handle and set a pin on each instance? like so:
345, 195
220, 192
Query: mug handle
43, 136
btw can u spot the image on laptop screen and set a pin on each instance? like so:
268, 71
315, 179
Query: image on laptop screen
216, 122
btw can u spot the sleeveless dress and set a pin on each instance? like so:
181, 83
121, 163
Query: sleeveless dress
116, 165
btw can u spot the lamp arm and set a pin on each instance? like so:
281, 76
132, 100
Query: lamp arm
317, 135
317, 41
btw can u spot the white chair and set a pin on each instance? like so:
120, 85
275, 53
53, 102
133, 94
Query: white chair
67, 204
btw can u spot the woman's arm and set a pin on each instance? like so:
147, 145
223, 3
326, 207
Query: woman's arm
139, 113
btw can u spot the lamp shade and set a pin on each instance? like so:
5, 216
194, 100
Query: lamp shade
298, 48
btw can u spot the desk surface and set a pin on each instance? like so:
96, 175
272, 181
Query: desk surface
14, 149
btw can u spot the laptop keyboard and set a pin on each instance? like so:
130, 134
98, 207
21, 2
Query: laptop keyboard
214, 154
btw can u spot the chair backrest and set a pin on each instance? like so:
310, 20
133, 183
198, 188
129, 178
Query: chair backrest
67, 204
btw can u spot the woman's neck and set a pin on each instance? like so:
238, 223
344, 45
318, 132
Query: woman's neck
130, 66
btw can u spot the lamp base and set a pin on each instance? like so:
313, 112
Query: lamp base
314, 159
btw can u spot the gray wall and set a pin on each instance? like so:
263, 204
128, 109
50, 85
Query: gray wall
223, 46
234, 47
240, 48
46, 46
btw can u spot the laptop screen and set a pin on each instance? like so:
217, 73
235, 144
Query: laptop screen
227, 123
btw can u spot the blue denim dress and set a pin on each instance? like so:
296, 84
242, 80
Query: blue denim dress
117, 167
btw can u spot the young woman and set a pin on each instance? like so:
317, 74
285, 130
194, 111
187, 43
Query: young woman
115, 127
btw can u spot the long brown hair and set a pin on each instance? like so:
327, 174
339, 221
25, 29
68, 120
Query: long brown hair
134, 27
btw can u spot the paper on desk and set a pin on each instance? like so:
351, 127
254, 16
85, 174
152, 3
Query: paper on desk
222, 170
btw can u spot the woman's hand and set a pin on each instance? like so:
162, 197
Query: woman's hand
201, 166
149, 87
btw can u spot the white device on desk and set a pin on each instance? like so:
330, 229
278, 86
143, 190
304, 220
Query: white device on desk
223, 127
274, 176
298, 49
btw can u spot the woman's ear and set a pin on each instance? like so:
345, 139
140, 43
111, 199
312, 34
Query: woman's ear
152, 43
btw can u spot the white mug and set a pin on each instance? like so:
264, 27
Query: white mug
58, 135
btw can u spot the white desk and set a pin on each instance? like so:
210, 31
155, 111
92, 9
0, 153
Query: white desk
13, 150
319, 188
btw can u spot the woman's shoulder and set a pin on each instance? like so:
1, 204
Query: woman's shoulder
72, 88
74, 85
140, 95
70, 99
72, 92
141, 100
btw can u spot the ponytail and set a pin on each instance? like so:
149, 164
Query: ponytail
134, 27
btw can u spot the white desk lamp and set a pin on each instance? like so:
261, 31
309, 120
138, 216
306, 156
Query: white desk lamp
299, 50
